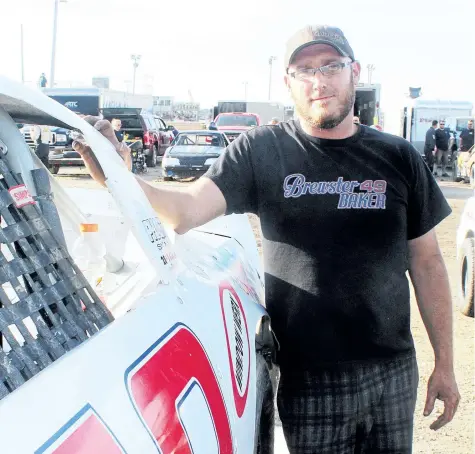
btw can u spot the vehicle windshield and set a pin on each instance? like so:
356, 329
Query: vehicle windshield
197, 139
132, 122
236, 120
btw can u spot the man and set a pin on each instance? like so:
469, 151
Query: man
442, 149
466, 137
42, 81
117, 125
429, 146
274, 121
345, 212
41, 135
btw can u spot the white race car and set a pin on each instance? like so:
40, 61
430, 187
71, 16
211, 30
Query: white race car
466, 258
175, 357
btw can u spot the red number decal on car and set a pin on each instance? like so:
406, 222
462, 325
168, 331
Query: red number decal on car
84, 432
159, 380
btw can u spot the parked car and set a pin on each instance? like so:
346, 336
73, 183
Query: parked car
192, 153
466, 258
234, 123
140, 124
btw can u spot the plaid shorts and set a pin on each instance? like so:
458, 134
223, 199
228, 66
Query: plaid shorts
365, 408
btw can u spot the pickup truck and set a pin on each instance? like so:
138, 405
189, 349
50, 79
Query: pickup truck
141, 124
234, 123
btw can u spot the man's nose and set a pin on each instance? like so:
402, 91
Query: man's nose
319, 83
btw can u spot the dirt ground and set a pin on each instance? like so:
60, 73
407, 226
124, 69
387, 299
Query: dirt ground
458, 436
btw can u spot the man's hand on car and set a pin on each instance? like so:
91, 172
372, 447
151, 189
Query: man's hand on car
90, 161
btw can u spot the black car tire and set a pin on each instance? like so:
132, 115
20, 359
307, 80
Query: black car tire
167, 178
467, 277
54, 169
264, 435
152, 158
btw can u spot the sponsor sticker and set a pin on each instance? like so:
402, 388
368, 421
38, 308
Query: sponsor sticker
21, 196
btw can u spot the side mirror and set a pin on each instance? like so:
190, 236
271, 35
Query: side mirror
170, 128
212, 126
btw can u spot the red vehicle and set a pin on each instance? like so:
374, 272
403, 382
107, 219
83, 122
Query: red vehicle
234, 123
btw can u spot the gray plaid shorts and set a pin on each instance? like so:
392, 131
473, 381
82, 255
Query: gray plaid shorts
362, 408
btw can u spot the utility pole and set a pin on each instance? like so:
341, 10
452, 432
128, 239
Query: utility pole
245, 90
22, 56
136, 59
53, 50
271, 59
371, 68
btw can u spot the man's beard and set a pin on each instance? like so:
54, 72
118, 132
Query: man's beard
324, 120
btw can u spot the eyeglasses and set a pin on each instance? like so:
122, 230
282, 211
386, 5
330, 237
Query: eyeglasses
308, 74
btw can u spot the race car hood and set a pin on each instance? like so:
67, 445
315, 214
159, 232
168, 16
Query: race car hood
191, 150
234, 128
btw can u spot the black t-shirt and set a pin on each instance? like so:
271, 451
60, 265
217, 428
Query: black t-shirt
119, 135
467, 139
441, 139
430, 139
335, 253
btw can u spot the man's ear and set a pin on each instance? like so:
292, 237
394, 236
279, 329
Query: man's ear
287, 81
356, 68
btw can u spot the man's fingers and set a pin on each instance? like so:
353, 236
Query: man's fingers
105, 128
430, 401
439, 423
90, 161
80, 147
450, 407
91, 119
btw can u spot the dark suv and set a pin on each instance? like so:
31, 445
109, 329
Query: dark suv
155, 135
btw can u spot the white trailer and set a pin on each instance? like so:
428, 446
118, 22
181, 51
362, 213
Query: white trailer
418, 115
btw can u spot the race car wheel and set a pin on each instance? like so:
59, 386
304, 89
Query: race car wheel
54, 170
264, 438
467, 277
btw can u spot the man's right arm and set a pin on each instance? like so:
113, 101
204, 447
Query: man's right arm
188, 207
227, 187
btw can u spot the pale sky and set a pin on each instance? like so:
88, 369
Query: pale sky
212, 47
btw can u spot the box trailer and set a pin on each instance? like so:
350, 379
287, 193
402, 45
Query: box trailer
418, 114
90, 101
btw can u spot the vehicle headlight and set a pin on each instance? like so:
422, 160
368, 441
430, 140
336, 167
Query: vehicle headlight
210, 161
170, 162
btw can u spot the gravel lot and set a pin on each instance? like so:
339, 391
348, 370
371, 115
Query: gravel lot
458, 437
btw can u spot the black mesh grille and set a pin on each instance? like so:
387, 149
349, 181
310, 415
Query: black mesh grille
46, 305
193, 160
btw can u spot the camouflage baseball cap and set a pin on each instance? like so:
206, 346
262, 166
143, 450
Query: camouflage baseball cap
317, 34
